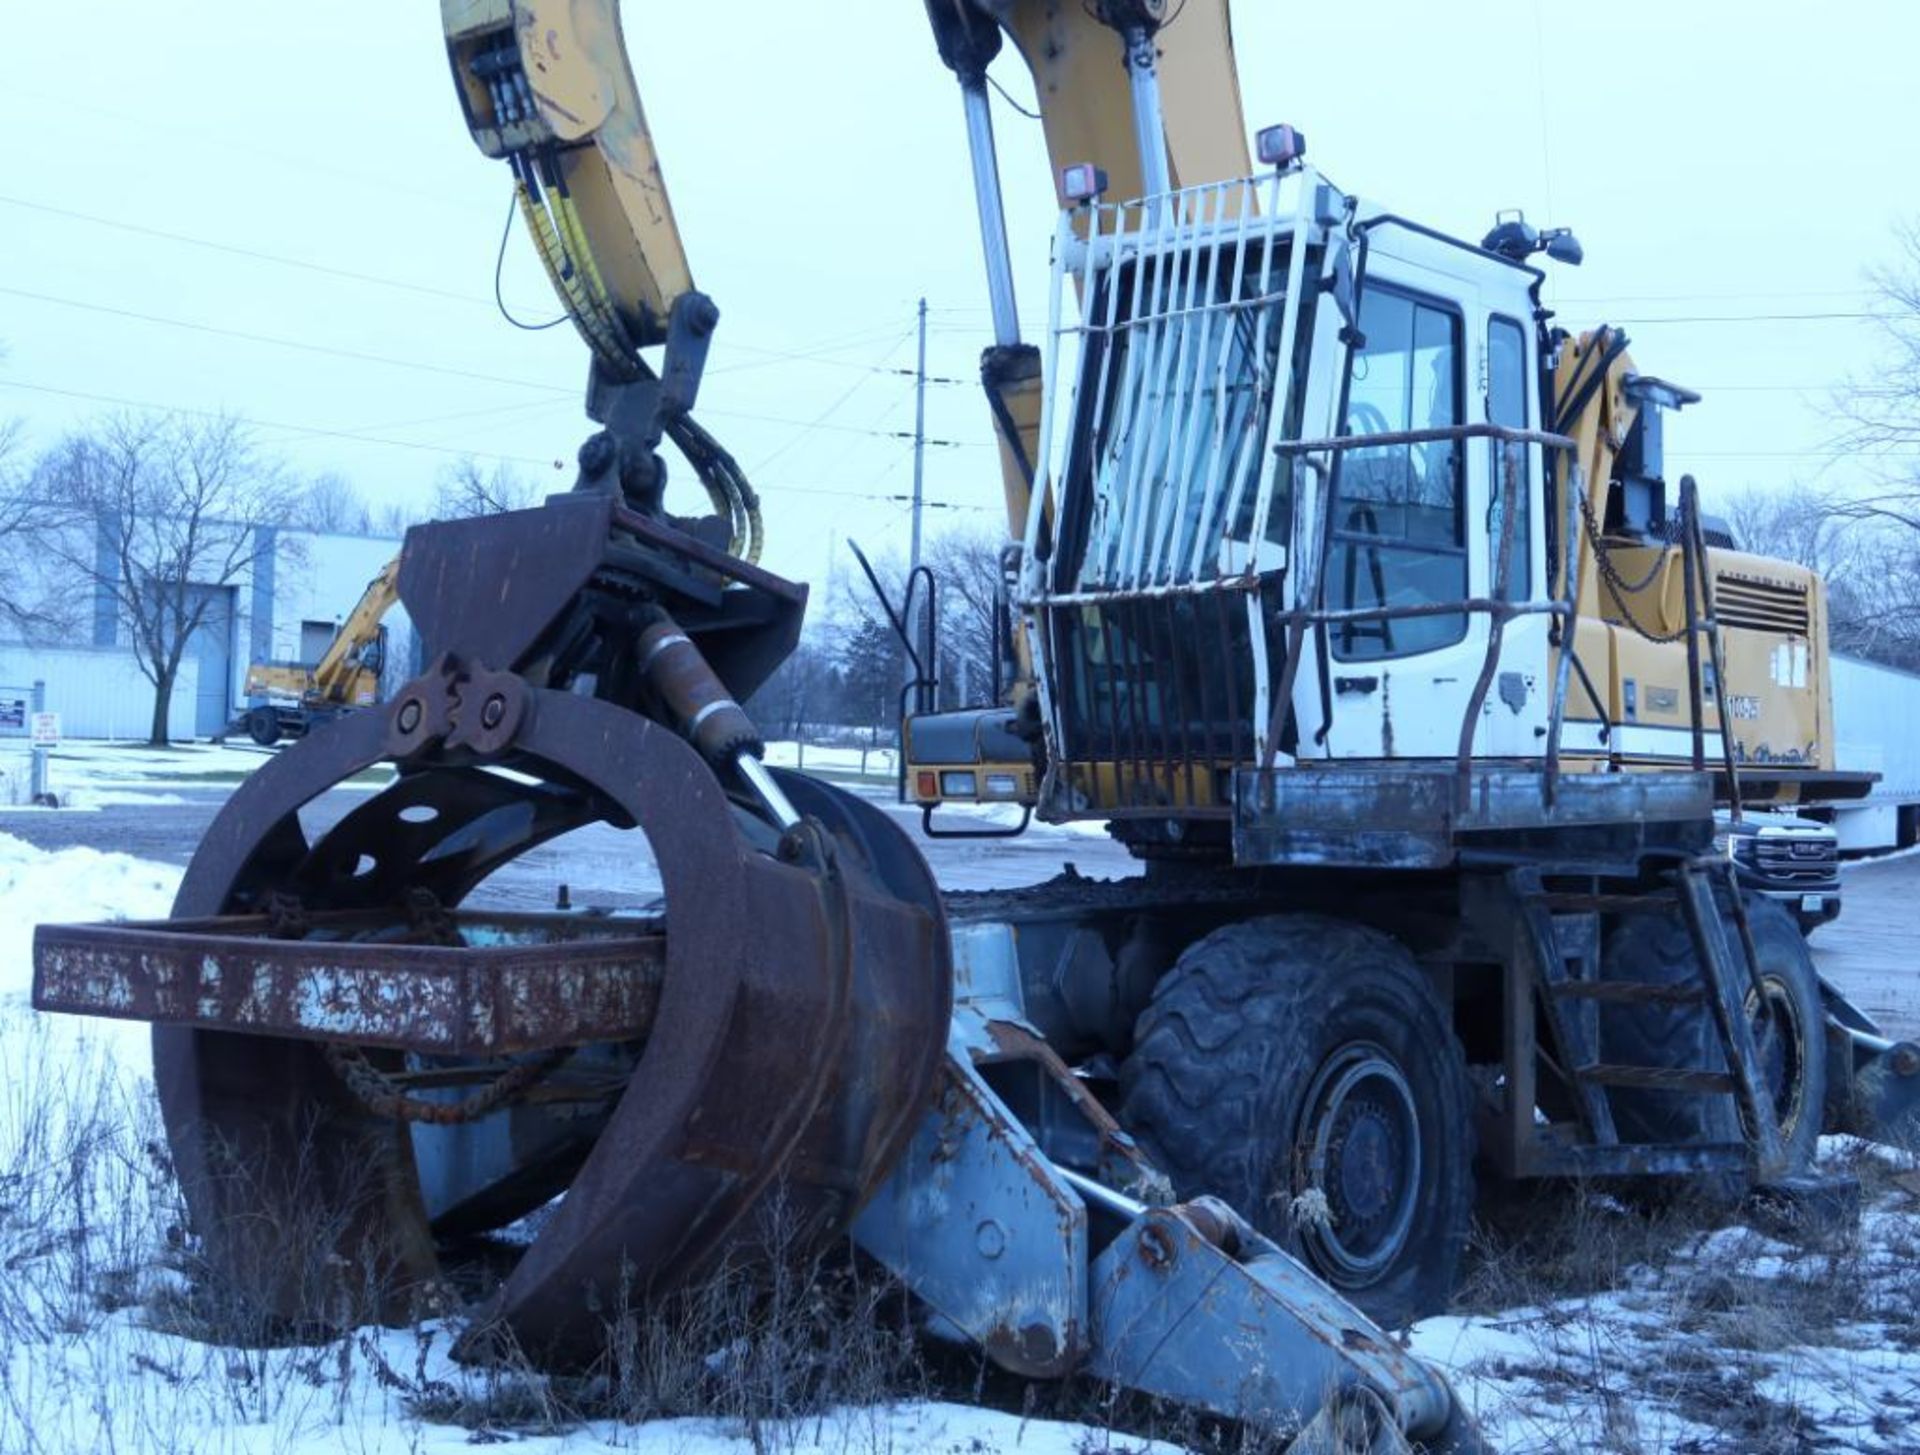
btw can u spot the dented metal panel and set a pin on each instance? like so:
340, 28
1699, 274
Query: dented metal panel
976, 1221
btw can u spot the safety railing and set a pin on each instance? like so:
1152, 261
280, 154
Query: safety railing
1562, 606
1153, 683
1497, 607
1158, 689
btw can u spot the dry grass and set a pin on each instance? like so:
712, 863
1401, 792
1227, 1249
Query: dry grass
113, 1320
1625, 1330
1633, 1331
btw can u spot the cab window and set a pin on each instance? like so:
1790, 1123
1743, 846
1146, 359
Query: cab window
1398, 537
1507, 405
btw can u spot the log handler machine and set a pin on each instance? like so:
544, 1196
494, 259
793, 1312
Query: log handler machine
1351, 593
291, 699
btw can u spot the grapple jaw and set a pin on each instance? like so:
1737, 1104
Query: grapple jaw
1873, 1082
792, 1037
351, 1068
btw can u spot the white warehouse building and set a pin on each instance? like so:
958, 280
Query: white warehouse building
286, 605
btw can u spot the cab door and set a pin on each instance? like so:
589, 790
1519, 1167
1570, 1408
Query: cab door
1513, 720
1398, 536
1414, 525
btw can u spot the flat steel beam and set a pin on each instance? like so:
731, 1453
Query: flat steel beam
517, 983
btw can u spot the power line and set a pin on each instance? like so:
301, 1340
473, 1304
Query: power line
1562, 300
1828, 454
140, 126
234, 250
322, 432
818, 421
1754, 318
421, 365
777, 356
488, 412
298, 429
301, 345
814, 356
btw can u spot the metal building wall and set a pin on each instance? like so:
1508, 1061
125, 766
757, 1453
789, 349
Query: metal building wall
99, 692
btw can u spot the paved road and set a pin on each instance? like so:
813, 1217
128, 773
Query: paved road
1872, 952
599, 865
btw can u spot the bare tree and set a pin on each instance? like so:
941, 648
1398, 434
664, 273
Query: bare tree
1866, 544
1797, 524
160, 513
24, 605
966, 568
1875, 607
329, 504
965, 565
800, 694
1882, 410
465, 489
1870, 564
394, 519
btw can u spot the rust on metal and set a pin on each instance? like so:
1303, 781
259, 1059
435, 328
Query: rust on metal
518, 983
792, 1010
794, 1045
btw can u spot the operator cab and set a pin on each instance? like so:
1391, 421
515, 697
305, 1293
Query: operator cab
1212, 346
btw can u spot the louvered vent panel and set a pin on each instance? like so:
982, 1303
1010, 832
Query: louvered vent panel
1761, 605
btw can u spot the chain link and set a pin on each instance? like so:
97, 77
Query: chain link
428, 923
1618, 586
384, 1097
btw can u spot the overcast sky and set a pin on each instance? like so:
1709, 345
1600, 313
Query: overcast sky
1733, 170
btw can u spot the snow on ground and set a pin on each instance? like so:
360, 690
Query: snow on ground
87, 774
1721, 1340
874, 762
1624, 1336
71, 886
89, 1360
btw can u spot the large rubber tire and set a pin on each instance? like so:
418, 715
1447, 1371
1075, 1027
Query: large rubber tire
263, 726
1265, 1066
1657, 949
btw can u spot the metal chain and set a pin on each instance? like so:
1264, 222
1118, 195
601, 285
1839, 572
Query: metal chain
1619, 587
428, 923
383, 1097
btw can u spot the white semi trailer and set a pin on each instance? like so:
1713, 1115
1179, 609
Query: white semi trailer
1876, 724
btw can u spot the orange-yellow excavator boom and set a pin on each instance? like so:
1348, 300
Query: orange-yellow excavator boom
1146, 93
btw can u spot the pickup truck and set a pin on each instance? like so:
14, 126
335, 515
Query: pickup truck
1787, 858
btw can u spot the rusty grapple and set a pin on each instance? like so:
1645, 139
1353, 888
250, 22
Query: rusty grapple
337, 1045
354, 1069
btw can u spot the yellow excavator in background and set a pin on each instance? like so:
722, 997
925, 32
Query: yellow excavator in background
290, 699
1349, 588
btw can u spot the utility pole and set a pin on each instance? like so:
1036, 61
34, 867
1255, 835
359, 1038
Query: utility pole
917, 617
919, 436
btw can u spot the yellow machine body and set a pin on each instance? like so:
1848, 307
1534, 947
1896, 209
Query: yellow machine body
348, 672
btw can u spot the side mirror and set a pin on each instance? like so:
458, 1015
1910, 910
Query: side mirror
1342, 288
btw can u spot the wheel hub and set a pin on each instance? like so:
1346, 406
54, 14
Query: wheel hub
1779, 1040
1365, 1153
1359, 1145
